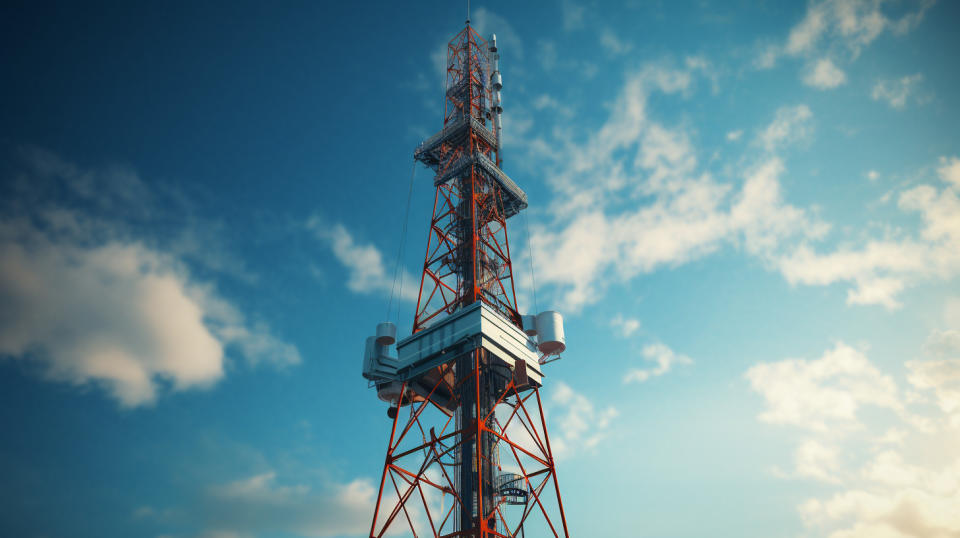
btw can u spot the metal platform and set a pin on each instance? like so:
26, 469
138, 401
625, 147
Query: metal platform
429, 153
514, 199
454, 134
476, 326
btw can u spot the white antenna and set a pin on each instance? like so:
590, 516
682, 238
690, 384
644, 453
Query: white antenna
468, 12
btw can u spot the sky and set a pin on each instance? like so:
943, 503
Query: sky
747, 212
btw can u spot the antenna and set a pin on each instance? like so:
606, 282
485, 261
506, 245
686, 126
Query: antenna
468, 12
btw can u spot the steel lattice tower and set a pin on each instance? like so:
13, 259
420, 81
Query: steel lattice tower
472, 456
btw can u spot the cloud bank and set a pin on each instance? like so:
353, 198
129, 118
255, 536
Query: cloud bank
92, 301
892, 474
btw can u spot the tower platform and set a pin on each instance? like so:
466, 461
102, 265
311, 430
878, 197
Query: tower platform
422, 357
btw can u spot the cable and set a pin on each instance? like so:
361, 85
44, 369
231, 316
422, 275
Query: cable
533, 274
397, 273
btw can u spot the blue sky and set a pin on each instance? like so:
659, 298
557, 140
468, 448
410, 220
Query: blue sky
747, 212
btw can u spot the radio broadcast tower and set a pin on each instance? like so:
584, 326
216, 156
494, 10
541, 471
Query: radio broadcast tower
469, 453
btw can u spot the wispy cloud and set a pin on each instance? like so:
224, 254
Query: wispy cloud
581, 425
882, 268
841, 29
949, 171
790, 125
613, 44
572, 14
685, 213
486, 22
941, 373
366, 270
664, 358
851, 24
824, 75
896, 92
625, 326
261, 505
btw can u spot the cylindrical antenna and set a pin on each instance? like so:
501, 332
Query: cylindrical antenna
496, 84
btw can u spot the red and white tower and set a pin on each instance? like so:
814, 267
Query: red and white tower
469, 453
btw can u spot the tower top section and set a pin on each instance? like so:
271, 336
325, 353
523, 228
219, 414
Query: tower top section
472, 110
468, 255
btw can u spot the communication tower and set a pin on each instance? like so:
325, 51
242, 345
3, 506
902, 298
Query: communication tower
469, 453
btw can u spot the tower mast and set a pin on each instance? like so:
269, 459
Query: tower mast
471, 359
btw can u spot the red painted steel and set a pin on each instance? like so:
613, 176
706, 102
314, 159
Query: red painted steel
464, 263
421, 461
430, 462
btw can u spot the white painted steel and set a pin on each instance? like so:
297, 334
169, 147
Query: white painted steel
377, 362
550, 332
529, 324
390, 391
476, 324
369, 356
386, 333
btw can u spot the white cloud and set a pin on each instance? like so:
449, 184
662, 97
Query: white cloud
839, 28
882, 268
894, 499
891, 493
366, 271
790, 125
876, 291
665, 359
943, 344
847, 24
486, 22
612, 43
949, 171
941, 375
860, 266
893, 436
547, 102
896, 92
951, 311
438, 59
940, 211
733, 136
685, 213
767, 57
823, 393
547, 54
873, 175
572, 13
804, 35
576, 424
117, 315
95, 306
814, 459
258, 506
661, 210
625, 326
824, 75
761, 215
